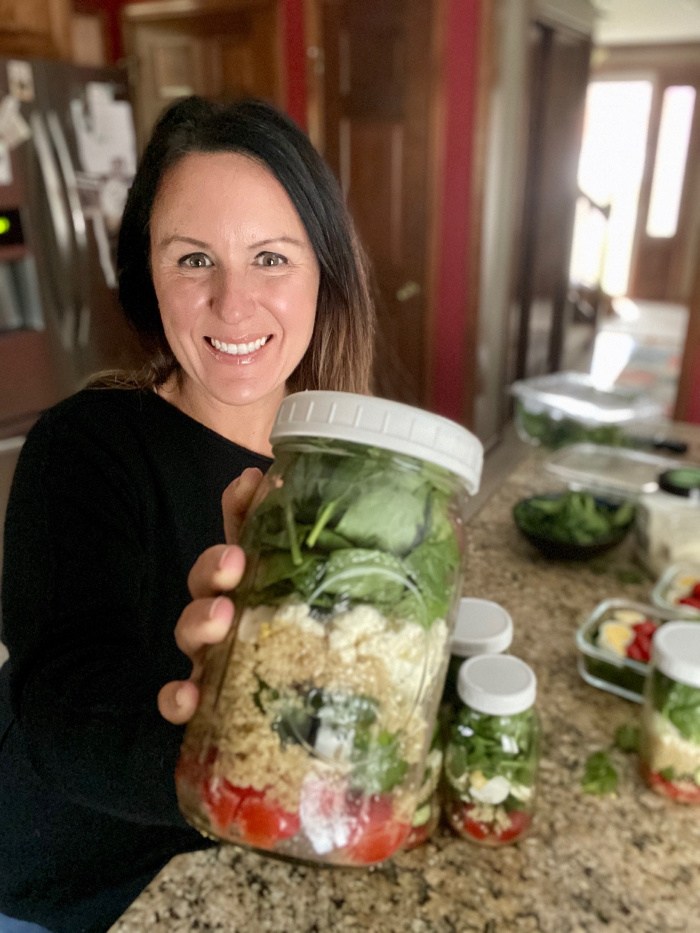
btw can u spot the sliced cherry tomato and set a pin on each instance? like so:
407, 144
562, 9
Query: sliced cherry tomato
696, 590
263, 823
693, 601
519, 823
681, 791
475, 828
375, 834
222, 800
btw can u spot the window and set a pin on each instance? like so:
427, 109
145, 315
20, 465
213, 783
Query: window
669, 165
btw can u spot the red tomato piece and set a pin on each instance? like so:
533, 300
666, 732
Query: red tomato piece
376, 835
693, 601
638, 651
222, 800
475, 828
519, 823
696, 590
680, 791
263, 823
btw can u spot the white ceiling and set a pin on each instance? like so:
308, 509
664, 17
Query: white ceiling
646, 21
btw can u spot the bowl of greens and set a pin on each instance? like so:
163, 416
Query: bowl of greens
573, 525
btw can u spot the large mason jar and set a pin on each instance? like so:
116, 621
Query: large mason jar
317, 713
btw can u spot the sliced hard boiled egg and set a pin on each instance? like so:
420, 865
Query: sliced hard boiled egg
615, 636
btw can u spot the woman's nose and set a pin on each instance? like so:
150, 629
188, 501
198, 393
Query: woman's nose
232, 296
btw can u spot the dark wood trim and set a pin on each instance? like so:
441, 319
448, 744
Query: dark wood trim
687, 406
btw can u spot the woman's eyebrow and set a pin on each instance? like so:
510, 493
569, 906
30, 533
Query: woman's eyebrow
180, 238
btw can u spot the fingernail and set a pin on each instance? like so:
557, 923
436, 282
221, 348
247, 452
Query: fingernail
225, 561
215, 606
180, 697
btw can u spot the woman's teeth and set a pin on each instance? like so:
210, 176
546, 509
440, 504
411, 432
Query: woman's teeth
238, 349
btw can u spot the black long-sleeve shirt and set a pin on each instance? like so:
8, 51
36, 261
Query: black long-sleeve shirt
115, 495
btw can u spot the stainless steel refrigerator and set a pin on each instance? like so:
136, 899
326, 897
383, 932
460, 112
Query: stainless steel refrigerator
67, 157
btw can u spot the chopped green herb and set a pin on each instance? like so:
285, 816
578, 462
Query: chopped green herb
627, 737
600, 776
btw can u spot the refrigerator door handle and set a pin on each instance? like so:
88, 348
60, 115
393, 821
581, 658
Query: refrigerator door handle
77, 216
59, 218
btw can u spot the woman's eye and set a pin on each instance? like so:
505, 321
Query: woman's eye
196, 261
270, 260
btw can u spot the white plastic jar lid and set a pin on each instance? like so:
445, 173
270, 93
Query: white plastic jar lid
378, 422
675, 651
497, 684
482, 627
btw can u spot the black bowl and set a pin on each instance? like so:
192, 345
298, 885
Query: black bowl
561, 549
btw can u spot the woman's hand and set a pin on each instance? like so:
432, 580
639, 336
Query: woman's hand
208, 618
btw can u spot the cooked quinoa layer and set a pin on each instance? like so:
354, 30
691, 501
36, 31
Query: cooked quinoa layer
358, 652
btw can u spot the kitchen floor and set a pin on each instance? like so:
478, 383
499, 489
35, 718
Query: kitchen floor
639, 344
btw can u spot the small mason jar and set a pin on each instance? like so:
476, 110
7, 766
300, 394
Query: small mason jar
318, 711
670, 734
492, 751
482, 627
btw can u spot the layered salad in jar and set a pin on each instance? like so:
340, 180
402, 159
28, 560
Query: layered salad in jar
317, 713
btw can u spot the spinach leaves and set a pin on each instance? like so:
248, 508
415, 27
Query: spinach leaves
340, 527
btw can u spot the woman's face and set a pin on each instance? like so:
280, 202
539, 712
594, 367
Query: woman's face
236, 279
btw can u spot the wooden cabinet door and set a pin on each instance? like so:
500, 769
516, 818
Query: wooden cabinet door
375, 127
35, 28
219, 50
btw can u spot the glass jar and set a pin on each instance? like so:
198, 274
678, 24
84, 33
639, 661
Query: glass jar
492, 751
667, 522
670, 734
317, 713
481, 627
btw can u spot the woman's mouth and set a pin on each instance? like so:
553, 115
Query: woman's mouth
238, 349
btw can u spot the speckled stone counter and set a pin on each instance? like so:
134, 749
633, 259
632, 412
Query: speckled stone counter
628, 862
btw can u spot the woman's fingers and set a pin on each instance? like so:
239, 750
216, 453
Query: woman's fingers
237, 499
203, 622
177, 701
216, 570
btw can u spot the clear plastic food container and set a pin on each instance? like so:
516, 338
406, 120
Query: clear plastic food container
678, 590
566, 408
617, 472
318, 712
614, 645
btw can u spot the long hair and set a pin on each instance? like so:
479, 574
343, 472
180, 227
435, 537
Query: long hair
339, 356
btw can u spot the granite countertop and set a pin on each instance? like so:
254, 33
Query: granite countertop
627, 862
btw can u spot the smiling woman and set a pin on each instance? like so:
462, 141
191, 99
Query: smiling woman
240, 270
237, 300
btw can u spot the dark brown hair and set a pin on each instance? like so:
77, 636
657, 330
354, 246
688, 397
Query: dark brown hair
339, 356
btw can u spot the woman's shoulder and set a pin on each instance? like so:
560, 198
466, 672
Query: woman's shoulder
100, 408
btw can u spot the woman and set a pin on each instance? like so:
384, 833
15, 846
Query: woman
240, 271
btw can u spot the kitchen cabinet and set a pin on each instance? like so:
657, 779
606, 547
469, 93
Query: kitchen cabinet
35, 28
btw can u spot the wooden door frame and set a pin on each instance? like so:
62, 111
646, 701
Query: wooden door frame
456, 183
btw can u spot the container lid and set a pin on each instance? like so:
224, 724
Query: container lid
377, 422
497, 684
482, 627
682, 481
676, 652
616, 471
576, 395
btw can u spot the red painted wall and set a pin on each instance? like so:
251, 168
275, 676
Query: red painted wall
449, 353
